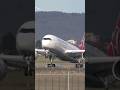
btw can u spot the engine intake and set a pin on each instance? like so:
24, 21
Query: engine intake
116, 70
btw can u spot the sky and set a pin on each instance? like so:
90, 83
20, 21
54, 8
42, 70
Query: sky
68, 6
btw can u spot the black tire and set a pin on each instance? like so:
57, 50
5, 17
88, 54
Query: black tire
3, 69
26, 71
53, 65
78, 65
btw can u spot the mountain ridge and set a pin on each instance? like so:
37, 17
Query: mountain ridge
60, 24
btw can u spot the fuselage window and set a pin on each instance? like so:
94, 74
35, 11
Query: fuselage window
27, 30
47, 39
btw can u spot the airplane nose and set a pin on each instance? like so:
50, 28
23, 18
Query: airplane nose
45, 44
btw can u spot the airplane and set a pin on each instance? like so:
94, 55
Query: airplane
25, 47
54, 46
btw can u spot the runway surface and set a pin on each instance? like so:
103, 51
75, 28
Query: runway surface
63, 77
15, 80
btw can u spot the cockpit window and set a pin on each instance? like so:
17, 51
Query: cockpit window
27, 30
47, 38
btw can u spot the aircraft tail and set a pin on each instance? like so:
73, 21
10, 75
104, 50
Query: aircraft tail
114, 46
82, 44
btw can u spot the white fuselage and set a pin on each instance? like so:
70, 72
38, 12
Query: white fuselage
58, 46
25, 38
25, 42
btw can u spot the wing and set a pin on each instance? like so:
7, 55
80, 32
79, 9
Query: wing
74, 53
41, 51
13, 60
97, 60
101, 67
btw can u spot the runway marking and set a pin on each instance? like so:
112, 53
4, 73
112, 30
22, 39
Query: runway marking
68, 81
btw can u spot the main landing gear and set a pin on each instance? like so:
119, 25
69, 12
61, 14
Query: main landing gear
81, 63
51, 58
28, 67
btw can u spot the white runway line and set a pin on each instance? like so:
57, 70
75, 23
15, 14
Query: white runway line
68, 81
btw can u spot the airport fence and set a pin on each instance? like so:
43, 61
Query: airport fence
66, 81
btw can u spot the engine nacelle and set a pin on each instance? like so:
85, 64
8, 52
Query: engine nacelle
3, 69
116, 70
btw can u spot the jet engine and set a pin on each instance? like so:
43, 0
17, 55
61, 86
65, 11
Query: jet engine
116, 70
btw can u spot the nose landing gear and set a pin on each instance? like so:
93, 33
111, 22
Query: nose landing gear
28, 67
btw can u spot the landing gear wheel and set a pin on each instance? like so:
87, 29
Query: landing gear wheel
26, 71
51, 65
51, 58
79, 65
28, 67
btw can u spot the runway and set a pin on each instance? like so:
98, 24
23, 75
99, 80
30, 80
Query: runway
63, 77
15, 80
